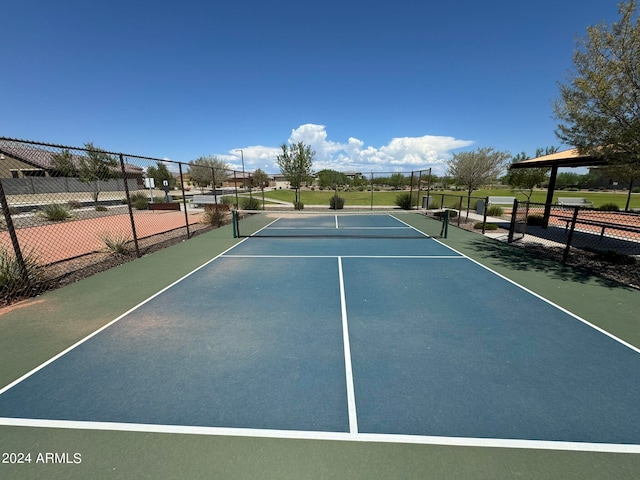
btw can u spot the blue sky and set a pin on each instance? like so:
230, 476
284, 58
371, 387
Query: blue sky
370, 85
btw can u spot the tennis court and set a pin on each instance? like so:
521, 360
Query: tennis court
378, 333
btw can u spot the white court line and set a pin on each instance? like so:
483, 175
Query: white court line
351, 397
546, 300
316, 435
337, 221
266, 226
112, 322
410, 226
345, 256
311, 435
399, 227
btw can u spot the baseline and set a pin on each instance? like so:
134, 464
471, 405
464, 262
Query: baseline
318, 435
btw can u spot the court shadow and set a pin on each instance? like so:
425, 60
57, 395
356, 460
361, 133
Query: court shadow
519, 259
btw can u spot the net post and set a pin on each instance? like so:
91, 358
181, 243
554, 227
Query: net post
445, 224
234, 221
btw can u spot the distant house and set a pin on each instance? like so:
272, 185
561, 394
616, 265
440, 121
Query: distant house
19, 160
26, 169
237, 179
281, 182
353, 175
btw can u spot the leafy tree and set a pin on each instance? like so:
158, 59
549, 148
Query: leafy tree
398, 181
526, 179
295, 164
360, 181
95, 167
475, 169
380, 181
445, 181
260, 179
331, 178
586, 180
202, 171
63, 164
599, 105
567, 179
159, 173
627, 173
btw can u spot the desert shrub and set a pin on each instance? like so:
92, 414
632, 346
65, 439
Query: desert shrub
101, 208
55, 212
250, 203
609, 207
14, 281
336, 202
405, 201
495, 211
139, 201
117, 243
140, 204
535, 220
136, 196
214, 216
298, 205
488, 226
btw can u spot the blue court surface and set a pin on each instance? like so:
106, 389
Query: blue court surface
390, 339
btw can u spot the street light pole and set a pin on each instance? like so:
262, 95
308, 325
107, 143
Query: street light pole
244, 178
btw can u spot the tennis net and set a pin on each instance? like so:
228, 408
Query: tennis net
411, 225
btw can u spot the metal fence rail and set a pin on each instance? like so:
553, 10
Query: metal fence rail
576, 229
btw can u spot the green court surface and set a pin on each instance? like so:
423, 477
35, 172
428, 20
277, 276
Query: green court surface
38, 329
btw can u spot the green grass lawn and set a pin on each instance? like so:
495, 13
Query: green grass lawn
387, 198
317, 197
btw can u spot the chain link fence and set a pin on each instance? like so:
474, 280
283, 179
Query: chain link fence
574, 230
69, 212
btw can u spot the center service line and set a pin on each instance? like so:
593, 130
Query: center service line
351, 397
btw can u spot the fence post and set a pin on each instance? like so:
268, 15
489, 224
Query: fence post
411, 192
128, 196
512, 224
235, 182
14, 237
371, 190
484, 214
184, 203
565, 254
213, 180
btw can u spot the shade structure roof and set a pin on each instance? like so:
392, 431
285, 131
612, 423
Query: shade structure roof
565, 158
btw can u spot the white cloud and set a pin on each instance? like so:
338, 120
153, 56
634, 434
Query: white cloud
400, 154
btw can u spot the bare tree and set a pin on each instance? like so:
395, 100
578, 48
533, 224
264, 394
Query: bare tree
475, 169
203, 170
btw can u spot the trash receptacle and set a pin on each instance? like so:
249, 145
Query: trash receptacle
427, 201
480, 207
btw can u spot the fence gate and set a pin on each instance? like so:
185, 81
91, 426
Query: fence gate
518, 224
